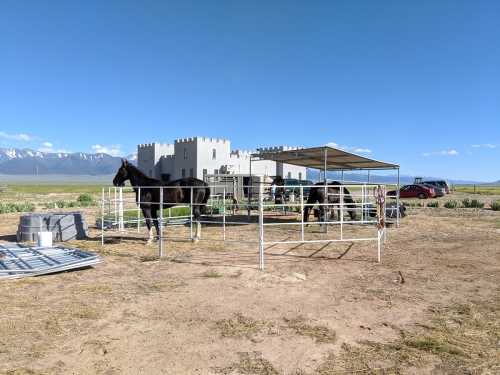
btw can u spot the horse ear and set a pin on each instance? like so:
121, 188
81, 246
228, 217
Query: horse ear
124, 162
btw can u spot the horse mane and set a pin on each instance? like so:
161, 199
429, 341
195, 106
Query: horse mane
138, 173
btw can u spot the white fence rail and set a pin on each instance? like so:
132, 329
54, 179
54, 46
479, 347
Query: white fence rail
120, 211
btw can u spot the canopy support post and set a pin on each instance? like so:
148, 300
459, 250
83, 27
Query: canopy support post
325, 203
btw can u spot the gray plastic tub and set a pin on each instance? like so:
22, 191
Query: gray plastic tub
63, 225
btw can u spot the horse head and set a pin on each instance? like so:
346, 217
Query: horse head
122, 175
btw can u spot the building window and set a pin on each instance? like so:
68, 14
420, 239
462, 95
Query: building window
205, 172
183, 172
216, 171
214, 154
191, 172
185, 153
289, 174
300, 176
150, 173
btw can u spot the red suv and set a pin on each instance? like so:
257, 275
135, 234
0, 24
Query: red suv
414, 191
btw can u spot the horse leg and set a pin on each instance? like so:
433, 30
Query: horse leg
334, 210
306, 213
146, 211
196, 219
154, 215
323, 212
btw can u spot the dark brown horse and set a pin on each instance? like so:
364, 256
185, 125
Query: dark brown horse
333, 190
174, 193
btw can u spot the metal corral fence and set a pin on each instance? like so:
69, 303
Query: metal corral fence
120, 213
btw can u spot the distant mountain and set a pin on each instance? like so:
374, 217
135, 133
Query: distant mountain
15, 161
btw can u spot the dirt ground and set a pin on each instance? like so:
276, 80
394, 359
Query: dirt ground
431, 307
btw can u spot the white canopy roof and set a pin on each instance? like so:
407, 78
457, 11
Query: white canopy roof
315, 157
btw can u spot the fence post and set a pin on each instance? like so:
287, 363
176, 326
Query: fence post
115, 207
378, 245
191, 214
139, 210
224, 214
160, 224
109, 204
261, 227
302, 213
341, 212
120, 209
102, 218
385, 214
363, 188
398, 214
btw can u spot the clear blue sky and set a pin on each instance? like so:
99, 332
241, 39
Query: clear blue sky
416, 83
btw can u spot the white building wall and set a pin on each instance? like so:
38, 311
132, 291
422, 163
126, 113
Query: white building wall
239, 162
148, 157
286, 170
292, 171
185, 157
207, 149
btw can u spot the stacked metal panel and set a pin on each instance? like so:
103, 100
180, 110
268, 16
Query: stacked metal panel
17, 261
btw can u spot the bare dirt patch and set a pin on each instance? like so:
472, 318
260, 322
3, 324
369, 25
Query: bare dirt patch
206, 309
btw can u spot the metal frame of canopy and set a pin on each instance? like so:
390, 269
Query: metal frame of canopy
327, 158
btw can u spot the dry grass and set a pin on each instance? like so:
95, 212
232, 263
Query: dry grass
85, 312
462, 338
211, 274
241, 326
249, 364
157, 287
23, 371
95, 289
320, 333
149, 258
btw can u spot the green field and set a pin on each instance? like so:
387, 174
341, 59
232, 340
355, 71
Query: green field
48, 189
477, 189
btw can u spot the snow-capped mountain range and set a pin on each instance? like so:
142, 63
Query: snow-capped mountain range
30, 162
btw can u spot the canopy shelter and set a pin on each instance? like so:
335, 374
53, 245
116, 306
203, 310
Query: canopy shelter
324, 157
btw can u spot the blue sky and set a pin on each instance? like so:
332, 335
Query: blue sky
416, 83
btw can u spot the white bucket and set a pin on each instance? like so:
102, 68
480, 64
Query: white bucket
44, 239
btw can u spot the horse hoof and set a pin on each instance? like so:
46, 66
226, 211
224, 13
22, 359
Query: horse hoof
195, 239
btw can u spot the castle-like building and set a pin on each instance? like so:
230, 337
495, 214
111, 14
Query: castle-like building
201, 156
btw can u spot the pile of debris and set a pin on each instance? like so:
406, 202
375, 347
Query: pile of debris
17, 261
